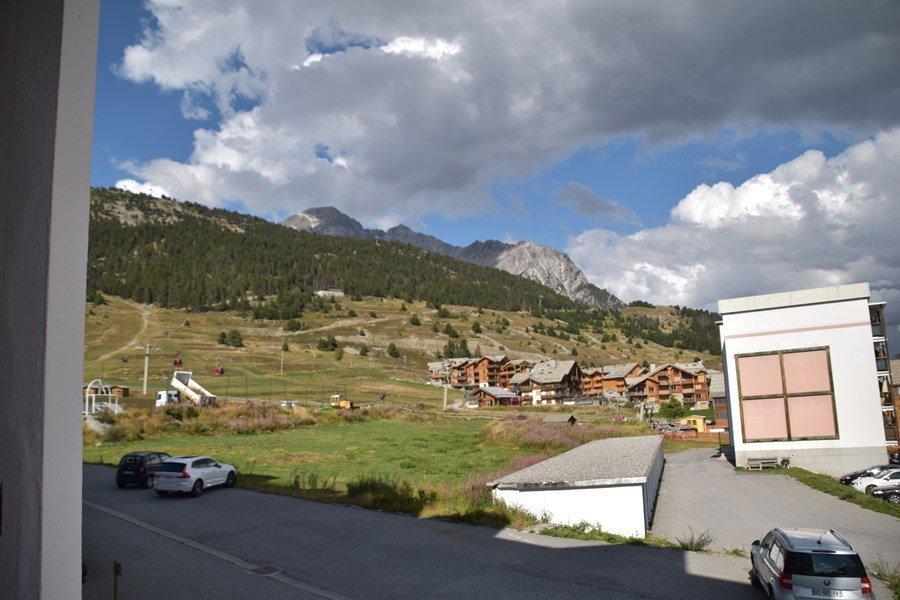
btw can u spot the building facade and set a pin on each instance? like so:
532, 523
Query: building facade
801, 378
686, 383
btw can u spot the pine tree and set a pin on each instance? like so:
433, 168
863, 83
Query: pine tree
392, 350
414, 320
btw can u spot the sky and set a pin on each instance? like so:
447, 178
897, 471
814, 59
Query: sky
678, 152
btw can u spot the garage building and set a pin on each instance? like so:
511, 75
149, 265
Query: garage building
610, 483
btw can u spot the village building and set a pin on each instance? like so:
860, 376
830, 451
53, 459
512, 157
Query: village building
552, 381
592, 381
611, 484
490, 395
685, 382
698, 422
614, 377
802, 378
718, 398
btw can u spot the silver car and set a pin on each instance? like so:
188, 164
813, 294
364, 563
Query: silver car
805, 563
192, 475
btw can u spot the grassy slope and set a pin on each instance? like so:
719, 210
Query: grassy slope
313, 375
448, 451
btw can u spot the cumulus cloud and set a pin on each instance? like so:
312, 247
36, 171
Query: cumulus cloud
136, 187
811, 222
429, 106
584, 201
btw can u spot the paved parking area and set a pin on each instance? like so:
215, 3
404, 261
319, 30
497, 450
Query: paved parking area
702, 492
209, 547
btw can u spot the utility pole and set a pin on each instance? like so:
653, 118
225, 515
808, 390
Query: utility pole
540, 302
445, 398
282, 360
146, 366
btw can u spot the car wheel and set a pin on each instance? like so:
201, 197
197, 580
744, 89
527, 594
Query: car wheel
754, 578
197, 489
120, 484
162, 492
231, 479
148, 483
894, 498
870, 489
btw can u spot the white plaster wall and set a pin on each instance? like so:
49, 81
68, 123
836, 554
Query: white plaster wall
618, 509
652, 487
853, 371
49, 52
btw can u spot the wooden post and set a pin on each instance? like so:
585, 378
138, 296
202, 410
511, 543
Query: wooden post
445, 398
146, 366
117, 571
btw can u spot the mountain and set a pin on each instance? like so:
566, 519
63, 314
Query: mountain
543, 264
179, 254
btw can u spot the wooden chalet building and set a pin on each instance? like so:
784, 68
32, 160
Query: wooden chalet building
491, 395
687, 382
550, 381
597, 381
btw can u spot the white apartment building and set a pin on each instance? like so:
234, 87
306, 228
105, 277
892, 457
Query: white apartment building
801, 378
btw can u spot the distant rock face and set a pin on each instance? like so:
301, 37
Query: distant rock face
533, 261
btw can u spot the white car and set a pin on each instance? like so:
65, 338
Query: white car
192, 475
870, 484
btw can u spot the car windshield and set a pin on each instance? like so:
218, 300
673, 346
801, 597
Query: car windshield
129, 460
171, 467
825, 565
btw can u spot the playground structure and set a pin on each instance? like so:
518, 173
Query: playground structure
99, 397
187, 387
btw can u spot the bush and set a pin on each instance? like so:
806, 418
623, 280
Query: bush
476, 327
414, 320
392, 350
327, 344
351, 313
291, 325
363, 350
285, 347
232, 338
673, 409
339, 354
694, 542
448, 329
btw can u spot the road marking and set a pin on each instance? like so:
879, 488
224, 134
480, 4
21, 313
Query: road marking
264, 570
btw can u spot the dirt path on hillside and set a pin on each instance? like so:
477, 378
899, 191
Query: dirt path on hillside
145, 320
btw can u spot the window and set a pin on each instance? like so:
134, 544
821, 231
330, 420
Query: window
777, 557
786, 395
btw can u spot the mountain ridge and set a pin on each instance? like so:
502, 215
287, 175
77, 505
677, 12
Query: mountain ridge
528, 259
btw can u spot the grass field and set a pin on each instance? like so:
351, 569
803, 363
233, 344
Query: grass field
447, 451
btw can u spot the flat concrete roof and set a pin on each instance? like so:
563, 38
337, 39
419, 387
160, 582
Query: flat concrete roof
835, 293
613, 461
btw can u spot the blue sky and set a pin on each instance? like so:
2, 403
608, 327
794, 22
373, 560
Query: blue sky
658, 146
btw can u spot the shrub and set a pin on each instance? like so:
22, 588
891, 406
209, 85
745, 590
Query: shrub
363, 350
448, 329
695, 542
351, 313
234, 338
327, 344
673, 409
339, 354
291, 325
285, 347
392, 350
476, 327
414, 320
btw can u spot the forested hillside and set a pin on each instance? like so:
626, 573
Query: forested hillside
176, 254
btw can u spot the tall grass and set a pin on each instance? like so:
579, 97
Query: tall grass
546, 437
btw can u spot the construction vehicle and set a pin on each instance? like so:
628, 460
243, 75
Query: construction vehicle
184, 382
339, 401
165, 397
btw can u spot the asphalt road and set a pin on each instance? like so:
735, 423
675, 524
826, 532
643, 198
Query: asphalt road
210, 546
706, 493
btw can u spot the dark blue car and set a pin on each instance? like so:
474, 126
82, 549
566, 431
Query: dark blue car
137, 468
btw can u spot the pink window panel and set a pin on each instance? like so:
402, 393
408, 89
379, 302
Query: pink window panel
760, 375
811, 416
806, 372
764, 419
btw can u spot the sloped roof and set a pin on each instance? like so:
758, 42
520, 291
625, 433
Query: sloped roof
437, 366
497, 358
522, 361
626, 460
518, 378
619, 370
592, 371
496, 392
551, 371
692, 367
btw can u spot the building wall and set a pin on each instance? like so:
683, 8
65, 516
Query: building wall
844, 328
618, 509
49, 55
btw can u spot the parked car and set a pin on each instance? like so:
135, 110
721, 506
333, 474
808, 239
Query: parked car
870, 472
192, 475
889, 493
870, 484
895, 458
138, 468
803, 563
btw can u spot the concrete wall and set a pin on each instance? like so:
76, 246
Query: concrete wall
844, 328
651, 488
617, 509
47, 73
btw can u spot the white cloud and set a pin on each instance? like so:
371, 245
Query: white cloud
436, 49
813, 221
136, 187
430, 105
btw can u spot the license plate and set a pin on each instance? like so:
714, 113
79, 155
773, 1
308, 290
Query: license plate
828, 593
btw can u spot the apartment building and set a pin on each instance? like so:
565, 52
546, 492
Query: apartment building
802, 377
685, 382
